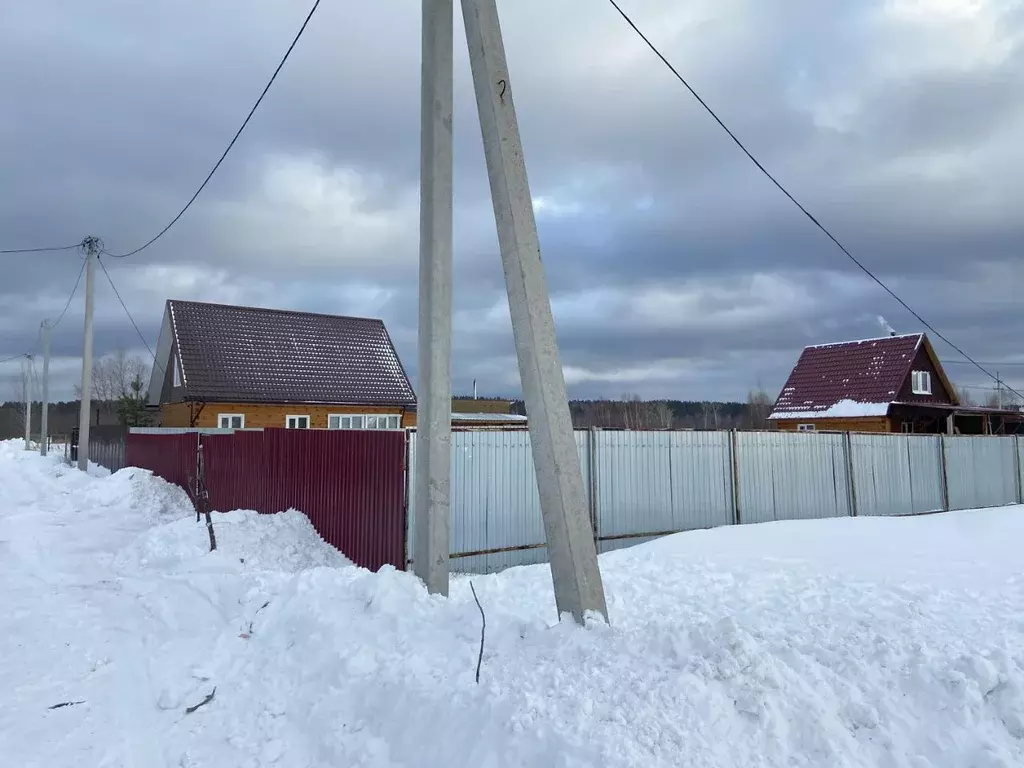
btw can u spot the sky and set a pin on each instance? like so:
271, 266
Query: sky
675, 269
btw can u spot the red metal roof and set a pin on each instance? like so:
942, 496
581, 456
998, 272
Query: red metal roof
248, 354
870, 371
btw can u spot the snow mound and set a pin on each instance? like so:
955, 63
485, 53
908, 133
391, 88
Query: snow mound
246, 541
851, 643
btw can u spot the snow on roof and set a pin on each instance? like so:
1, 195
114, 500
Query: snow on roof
844, 409
848, 379
512, 418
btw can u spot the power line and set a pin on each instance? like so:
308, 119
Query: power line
231, 144
71, 297
792, 199
965, 362
63, 312
41, 250
129, 314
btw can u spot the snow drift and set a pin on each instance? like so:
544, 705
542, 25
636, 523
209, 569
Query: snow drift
848, 642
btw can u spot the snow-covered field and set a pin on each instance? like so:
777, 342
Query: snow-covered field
867, 642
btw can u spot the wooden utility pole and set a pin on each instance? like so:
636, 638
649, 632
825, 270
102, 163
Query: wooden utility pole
572, 552
44, 420
91, 246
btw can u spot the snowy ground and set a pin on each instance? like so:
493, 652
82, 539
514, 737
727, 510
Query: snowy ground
867, 642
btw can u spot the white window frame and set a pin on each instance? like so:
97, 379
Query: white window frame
228, 416
296, 416
921, 382
806, 427
372, 421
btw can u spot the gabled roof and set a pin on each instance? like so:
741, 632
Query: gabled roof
850, 378
246, 354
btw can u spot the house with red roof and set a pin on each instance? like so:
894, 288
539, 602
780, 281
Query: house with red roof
890, 384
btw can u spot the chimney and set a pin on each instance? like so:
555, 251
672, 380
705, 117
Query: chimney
474, 389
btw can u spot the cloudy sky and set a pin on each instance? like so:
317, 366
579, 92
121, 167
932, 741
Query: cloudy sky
675, 269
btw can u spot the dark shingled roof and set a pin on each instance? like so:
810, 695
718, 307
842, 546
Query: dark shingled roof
868, 371
246, 354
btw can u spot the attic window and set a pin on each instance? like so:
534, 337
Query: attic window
921, 383
176, 373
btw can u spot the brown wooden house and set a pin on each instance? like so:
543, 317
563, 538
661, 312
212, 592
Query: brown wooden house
244, 367
889, 384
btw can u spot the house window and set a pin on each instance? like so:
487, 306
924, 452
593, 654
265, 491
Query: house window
296, 422
921, 383
364, 421
231, 420
908, 427
175, 372
805, 427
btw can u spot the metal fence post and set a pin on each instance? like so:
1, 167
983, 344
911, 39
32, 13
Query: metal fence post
945, 472
735, 462
848, 450
1019, 446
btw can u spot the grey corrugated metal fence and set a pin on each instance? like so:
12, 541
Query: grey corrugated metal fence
641, 485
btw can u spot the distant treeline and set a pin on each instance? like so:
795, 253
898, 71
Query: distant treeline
633, 413
63, 417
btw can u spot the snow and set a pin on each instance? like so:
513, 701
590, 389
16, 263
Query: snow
844, 409
490, 417
846, 642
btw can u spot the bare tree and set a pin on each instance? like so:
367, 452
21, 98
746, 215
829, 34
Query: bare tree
759, 408
963, 396
113, 376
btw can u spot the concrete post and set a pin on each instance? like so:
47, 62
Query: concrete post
85, 409
26, 378
44, 422
570, 538
434, 407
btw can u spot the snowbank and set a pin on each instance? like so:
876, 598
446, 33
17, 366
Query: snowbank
854, 642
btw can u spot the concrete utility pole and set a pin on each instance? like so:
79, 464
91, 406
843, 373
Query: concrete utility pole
91, 246
26, 379
999, 392
44, 420
434, 418
570, 537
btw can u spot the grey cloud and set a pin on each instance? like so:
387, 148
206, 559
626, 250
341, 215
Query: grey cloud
129, 105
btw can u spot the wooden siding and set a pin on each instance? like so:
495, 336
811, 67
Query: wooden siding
872, 424
264, 414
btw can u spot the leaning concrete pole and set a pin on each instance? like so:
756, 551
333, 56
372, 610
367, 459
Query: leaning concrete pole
434, 419
570, 537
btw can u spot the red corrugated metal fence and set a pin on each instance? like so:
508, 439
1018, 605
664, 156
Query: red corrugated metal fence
349, 483
172, 457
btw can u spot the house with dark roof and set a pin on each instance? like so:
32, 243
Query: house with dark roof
890, 384
244, 367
